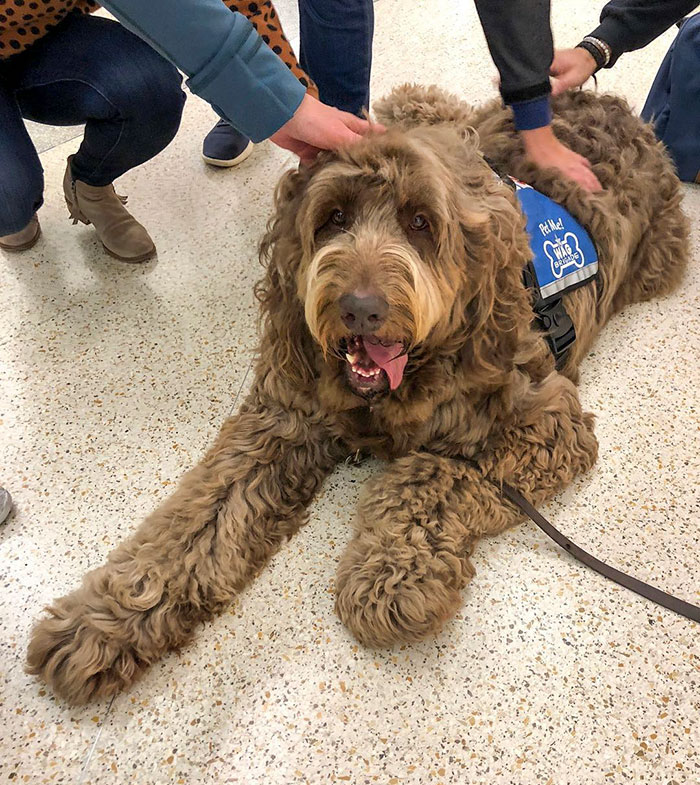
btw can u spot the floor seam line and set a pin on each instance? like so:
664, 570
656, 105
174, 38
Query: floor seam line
91, 751
238, 394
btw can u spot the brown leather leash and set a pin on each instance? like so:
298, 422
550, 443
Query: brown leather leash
560, 334
674, 604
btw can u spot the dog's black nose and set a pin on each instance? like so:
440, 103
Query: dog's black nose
363, 314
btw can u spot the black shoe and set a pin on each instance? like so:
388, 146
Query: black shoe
5, 504
225, 146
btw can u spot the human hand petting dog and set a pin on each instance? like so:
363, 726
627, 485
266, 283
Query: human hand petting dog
544, 150
570, 68
316, 126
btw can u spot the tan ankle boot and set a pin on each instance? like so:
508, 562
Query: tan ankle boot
121, 234
24, 239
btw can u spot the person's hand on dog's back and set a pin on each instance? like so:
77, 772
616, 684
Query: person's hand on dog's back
316, 126
570, 68
545, 151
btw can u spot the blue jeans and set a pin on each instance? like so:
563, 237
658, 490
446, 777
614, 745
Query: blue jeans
336, 50
87, 70
673, 103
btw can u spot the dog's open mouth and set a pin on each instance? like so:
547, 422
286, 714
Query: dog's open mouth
372, 365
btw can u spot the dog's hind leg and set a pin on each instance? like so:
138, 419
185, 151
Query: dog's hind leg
189, 558
419, 521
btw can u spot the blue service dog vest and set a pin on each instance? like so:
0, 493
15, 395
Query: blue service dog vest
564, 258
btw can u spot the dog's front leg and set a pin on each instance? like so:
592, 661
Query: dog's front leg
189, 558
402, 575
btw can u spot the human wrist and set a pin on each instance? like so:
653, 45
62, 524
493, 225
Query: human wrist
537, 135
538, 140
597, 49
615, 33
589, 58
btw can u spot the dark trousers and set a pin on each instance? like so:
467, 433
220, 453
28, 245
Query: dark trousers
88, 70
336, 50
673, 104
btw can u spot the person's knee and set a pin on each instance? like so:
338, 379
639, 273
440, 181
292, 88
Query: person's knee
21, 195
170, 97
156, 95
146, 89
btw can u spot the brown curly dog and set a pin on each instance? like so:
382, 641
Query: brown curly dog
396, 322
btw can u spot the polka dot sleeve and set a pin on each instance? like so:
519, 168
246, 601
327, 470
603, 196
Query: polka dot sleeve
22, 22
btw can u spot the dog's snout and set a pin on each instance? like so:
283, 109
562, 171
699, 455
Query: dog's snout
363, 313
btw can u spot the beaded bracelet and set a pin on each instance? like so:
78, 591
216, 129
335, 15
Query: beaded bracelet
598, 49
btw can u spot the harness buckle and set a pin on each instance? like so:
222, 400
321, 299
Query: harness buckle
558, 327
552, 317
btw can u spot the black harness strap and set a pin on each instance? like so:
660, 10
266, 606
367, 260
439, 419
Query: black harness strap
550, 314
552, 318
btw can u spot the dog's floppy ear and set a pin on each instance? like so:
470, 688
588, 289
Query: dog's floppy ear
498, 312
287, 347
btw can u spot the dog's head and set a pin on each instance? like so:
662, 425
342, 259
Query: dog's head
399, 248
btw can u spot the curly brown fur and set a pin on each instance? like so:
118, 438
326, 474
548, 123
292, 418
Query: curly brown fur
453, 386
401, 576
189, 558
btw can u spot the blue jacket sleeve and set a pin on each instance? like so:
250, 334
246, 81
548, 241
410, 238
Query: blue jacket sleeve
227, 62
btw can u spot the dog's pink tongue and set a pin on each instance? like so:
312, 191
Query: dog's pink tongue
390, 359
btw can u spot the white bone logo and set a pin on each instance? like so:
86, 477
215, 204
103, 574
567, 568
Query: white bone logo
563, 254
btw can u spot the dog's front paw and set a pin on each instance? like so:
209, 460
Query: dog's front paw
77, 657
399, 586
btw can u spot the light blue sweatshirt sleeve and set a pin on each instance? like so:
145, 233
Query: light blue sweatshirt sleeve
227, 62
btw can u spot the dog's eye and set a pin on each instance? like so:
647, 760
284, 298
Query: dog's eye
419, 223
339, 218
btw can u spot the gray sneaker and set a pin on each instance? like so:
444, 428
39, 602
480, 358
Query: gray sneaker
5, 504
225, 146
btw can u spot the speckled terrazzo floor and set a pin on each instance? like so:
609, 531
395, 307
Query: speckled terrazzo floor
114, 378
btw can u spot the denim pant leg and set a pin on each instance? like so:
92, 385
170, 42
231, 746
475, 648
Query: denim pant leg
673, 103
94, 71
21, 175
336, 50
